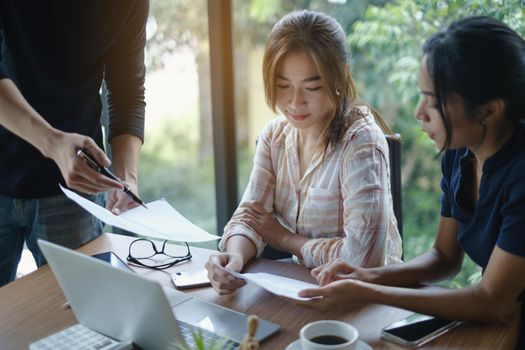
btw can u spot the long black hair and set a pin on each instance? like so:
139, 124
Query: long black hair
478, 59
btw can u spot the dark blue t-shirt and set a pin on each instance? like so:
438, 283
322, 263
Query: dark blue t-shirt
499, 215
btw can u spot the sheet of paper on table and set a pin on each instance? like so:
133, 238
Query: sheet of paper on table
278, 285
160, 220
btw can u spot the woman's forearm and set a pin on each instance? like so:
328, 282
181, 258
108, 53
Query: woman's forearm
430, 267
242, 246
466, 304
442, 261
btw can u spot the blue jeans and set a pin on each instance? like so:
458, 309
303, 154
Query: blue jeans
56, 219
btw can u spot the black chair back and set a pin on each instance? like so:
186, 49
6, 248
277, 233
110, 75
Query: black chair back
394, 150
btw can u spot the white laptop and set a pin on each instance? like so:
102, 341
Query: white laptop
127, 307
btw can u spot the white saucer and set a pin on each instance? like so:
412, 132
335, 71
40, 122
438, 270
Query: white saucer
296, 345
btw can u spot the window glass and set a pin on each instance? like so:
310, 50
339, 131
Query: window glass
177, 155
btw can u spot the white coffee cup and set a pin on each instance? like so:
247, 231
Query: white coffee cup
328, 335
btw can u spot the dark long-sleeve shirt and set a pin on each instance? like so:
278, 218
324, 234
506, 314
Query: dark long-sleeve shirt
57, 52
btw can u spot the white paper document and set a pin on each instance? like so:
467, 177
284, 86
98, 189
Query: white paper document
278, 285
159, 221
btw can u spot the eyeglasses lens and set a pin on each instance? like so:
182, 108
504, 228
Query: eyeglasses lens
175, 250
142, 249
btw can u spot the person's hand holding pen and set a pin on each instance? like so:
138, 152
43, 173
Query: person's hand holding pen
61, 148
88, 176
117, 199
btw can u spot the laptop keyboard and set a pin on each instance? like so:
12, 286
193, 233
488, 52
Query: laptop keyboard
79, 337
188, 331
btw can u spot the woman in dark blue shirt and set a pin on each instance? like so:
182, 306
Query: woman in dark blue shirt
472, 79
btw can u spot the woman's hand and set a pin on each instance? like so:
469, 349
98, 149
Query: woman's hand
336, 295
221, 279
337, 270
264, 223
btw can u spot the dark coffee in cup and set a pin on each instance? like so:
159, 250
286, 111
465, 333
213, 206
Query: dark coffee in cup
329, 340
328, 334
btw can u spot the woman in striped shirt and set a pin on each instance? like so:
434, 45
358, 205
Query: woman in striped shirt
319, 188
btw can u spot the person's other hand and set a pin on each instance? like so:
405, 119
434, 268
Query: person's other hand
222, 280
118, 201
262, 222
337, 270
77, 174
335, 295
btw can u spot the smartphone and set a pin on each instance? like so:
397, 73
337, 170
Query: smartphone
190, 279
417, 329
113, 259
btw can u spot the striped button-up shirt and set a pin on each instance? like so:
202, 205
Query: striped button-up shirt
342, 202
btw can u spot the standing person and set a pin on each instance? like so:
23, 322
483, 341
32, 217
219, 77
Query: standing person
319, 188
472, 79
53, 57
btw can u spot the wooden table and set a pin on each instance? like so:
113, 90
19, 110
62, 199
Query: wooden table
31, 307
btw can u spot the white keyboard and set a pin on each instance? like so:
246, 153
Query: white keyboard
79, 337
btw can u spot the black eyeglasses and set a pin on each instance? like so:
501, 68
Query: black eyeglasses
142, 251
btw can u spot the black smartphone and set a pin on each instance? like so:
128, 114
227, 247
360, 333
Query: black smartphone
417, 329
190, 279
113, 259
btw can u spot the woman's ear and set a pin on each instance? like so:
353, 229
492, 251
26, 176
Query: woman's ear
492, 111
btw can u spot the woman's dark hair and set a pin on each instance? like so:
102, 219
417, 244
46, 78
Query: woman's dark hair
323, 39
478, 59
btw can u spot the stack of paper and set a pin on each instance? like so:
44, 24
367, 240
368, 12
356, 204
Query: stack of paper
159, 221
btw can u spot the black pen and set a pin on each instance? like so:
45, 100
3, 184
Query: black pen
92, 162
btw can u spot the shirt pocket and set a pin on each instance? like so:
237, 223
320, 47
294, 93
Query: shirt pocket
322, 210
